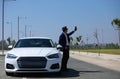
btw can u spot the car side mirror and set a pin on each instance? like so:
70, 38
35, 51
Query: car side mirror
10, 46
59, 47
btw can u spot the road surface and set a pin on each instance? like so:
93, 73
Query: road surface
77, 70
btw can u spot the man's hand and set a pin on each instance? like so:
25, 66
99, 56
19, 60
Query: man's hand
75, 28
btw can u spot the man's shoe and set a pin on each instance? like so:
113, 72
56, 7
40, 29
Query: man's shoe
64, 69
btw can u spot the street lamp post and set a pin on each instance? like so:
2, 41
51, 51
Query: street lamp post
26, 27
2, 26
11, 30
30, 32
19, 26
25, 30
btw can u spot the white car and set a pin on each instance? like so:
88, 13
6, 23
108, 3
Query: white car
33, 54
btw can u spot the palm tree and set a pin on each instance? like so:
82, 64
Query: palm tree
13, 42
71, 42
78, 38
71, 38
116, 22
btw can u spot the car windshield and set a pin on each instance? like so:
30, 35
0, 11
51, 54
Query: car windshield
34, 43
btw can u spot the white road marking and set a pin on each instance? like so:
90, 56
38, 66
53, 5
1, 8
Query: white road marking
24, 78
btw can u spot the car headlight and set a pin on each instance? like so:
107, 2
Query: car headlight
11, 56
53, 56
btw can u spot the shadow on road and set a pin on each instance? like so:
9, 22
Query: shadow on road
64, 74
91, 71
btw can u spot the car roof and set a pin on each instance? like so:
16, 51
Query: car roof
35, 38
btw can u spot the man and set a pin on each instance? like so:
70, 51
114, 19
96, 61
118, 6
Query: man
64, 41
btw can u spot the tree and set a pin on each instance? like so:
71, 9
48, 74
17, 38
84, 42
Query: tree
116, 22
5, 44
9, 40
13, 42
96, 36
71, 38
78, 39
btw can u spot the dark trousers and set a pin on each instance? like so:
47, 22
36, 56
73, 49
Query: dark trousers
65, 58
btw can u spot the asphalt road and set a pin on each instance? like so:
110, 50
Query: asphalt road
77, 70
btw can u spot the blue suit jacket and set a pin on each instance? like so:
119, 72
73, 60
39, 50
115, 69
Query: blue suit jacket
62, 39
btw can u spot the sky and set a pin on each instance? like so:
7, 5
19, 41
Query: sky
45, 18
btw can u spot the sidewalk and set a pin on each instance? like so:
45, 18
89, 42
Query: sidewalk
104, 60
102, 56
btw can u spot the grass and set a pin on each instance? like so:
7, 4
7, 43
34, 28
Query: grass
106, 51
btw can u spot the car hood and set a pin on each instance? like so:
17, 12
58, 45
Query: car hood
33, 51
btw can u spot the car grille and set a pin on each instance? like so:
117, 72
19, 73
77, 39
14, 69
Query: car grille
32, 62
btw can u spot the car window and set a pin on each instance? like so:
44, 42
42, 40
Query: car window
34, 43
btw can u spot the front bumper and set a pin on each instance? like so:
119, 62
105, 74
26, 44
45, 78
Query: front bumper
23, 64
